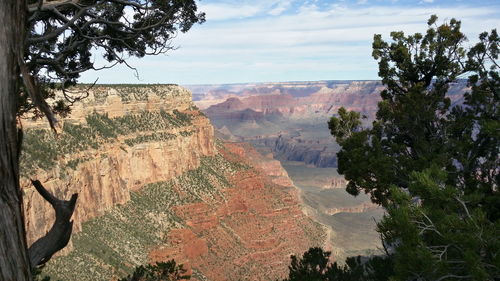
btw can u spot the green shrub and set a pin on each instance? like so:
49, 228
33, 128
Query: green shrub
161, 271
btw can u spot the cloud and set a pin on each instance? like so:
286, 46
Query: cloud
225, 11
219, 11
307, 41
280, 7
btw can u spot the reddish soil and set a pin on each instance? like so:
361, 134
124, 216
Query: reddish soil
250, 234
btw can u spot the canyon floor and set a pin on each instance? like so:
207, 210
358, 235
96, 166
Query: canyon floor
351, 220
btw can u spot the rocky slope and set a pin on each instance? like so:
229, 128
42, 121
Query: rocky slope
290, 119
153, 185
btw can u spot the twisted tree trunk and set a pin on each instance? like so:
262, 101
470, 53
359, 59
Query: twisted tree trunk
14, 261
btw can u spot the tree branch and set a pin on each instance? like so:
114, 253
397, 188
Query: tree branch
34, 94
58, 237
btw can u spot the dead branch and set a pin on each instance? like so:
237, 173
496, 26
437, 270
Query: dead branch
58, 237
34, 93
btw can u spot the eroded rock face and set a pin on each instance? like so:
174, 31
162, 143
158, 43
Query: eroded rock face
316, 153
355, 209
105, 176
316, 100
154, 185
291, 118
249, 235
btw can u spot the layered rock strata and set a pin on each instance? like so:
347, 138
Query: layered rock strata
153, 185
104, 174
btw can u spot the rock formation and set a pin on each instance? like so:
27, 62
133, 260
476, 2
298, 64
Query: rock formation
154, 184
355, 209
291, 118
103, 177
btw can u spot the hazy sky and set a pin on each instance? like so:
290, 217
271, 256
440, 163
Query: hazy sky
287, 40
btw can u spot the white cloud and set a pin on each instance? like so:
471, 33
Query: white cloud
224, 11
244, 9
280, 7
311, 43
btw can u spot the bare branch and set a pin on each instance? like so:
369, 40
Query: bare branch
34, 93
58, 237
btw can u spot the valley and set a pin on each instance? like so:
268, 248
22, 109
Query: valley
230, 191
155, 184
289, 122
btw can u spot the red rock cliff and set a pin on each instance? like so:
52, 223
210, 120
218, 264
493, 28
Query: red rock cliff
106, 175
162, 189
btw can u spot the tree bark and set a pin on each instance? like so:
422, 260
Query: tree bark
14, 261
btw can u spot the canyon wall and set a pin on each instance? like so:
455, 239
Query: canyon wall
154, 184
291, 118
104, 175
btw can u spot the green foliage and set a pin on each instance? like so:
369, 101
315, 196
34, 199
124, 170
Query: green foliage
343, 126
415, 127
140, 92
441, 233
315, 266
161, 271
162, 136
432, 166
312, 266
57, 52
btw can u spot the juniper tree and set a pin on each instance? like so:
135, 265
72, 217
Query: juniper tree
433, 166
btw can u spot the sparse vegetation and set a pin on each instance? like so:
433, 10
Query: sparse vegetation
41, 148
154, 137
121, 238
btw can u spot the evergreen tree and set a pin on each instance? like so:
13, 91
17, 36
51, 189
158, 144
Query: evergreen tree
433, 166
315, 265
161, 271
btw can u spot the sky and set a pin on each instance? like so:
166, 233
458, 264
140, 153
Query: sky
286, 40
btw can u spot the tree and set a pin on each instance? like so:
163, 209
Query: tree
312, 266
433, 167
161, 271
315, 265
44, 46
444, 237
408, 131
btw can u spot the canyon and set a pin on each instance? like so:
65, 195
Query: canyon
229, 181
155, 184
289, 121
290, 118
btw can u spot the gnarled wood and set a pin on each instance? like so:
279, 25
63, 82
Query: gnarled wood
14, 262
58, 237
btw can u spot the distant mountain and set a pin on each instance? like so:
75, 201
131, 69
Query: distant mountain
285, 117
